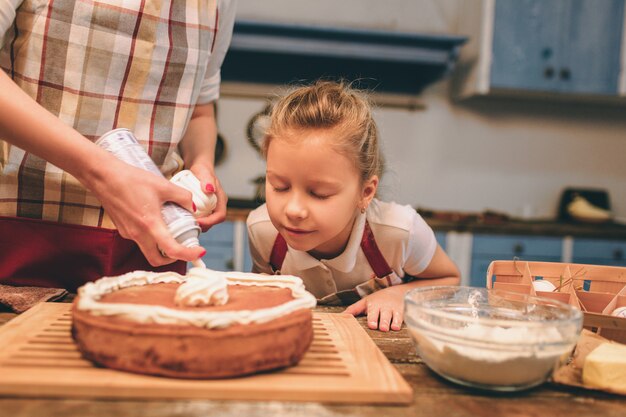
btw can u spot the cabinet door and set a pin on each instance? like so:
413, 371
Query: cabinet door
441, 239
218, 242
247, 257
599, 252
526, 38
487, 248
591, 46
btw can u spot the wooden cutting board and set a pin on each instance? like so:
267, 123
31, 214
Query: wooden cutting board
343, 365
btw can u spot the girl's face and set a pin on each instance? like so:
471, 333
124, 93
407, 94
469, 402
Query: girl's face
314, 193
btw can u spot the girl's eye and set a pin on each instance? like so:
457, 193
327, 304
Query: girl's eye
320, 196
280, 189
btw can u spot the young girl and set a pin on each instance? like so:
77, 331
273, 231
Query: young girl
321, 221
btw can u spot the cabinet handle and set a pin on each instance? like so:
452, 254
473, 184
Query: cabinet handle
548, 72
565, 74
618, 255
546, 53
518, 249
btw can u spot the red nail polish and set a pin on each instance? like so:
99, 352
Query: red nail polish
210, 188
194, 206
202, 254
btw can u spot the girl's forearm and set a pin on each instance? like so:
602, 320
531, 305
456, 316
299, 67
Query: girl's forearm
425, 282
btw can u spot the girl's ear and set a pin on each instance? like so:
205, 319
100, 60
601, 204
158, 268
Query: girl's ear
369, 190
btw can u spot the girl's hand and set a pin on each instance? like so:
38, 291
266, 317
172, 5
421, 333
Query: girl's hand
384, 309
210, 184
133, 199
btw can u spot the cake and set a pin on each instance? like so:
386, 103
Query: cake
206, 324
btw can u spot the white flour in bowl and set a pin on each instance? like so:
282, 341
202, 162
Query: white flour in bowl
486, 362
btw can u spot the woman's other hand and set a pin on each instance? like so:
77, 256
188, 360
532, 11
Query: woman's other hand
211, 185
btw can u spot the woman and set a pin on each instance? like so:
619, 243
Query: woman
73, 71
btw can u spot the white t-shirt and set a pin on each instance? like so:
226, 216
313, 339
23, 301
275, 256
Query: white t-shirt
405, 240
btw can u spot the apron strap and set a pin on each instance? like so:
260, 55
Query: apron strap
372, 253
279, 251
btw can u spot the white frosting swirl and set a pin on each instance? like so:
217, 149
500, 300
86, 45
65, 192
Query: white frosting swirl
91, 293
202, 287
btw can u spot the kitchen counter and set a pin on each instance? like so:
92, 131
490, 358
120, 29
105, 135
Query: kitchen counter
487, 222
433, 397
533, 227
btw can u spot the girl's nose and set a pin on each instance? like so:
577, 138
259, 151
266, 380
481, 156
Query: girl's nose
295, 208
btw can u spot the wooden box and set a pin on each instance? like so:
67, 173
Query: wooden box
595, 289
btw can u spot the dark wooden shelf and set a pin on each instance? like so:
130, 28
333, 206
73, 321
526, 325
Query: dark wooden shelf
272, 53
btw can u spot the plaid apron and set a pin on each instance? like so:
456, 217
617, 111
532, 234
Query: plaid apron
97, 66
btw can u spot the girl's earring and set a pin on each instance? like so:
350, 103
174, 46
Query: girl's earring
363, 210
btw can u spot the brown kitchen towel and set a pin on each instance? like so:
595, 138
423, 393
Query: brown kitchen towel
20, 299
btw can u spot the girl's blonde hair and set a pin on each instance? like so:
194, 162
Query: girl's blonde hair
335, 106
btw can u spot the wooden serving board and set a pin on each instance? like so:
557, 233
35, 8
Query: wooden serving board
343, 365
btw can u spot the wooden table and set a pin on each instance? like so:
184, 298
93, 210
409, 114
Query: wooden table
432, 397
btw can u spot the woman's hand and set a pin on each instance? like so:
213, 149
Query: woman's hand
133, 199
384, 309
210, 184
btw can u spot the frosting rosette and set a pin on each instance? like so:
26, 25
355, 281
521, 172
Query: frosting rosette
202, 287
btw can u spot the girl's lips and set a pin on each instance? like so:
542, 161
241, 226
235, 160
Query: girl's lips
298, 232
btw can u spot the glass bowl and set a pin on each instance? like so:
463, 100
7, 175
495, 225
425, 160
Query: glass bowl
490, 339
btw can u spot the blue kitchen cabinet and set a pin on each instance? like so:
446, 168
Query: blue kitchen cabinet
441, 239
526, 44
591, 46
247, 258
218, 242
599, 252
567, 46
488, 248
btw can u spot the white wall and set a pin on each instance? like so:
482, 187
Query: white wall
509, 155
431, 16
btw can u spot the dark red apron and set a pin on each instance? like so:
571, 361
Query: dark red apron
49, 254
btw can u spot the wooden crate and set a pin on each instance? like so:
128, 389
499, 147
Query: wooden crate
595, 289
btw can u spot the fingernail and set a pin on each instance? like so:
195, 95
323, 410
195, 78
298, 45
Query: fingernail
194, 206
210, 188
202, 254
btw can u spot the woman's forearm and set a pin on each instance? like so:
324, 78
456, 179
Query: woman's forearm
26, 124
198, 144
